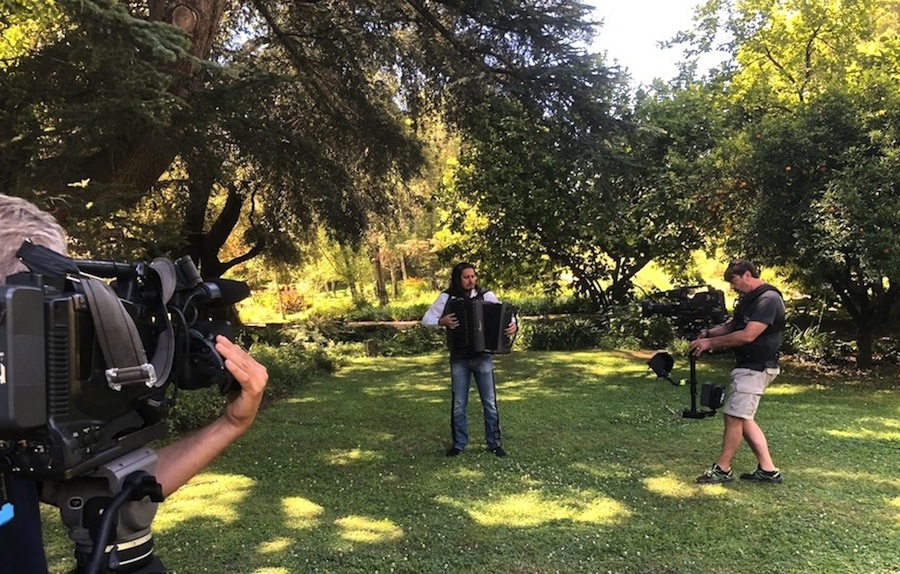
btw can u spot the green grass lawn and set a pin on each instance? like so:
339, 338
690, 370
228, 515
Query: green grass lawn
350, 476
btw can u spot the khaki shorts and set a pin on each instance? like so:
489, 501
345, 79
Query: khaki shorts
747, 386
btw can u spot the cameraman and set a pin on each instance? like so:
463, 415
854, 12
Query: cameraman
21, 538
754, 333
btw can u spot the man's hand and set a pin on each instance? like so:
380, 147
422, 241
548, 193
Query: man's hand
181, 460
718, 340
511, 329
252, 376
449, 321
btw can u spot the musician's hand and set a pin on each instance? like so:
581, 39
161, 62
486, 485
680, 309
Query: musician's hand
511, 329
449, 321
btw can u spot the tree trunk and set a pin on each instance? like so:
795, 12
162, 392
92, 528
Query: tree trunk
865, 338
378, 270
395, 283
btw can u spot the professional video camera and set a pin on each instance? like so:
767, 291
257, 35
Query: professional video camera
692, 309
80, 400
76, 387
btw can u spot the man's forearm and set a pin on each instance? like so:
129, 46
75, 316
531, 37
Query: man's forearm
180, 461
730, 338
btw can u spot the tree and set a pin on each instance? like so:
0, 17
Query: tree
281, 115
811, 102
560, 192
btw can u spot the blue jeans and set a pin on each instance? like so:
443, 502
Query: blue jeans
461, 371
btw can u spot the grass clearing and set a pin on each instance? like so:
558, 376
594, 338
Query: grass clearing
349, 476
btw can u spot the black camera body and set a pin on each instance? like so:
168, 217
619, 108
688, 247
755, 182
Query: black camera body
692, 308
65, 409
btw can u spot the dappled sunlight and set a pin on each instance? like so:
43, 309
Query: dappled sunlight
207, 495
602, 511
894, 506
715, 491
301, 513
296, 400
891, 430
469, 473
551, 388
531, 509
274, 546
848, 475
670, 487
354, 455
413, 387
368, 530
786, 390
511, 397
278, 570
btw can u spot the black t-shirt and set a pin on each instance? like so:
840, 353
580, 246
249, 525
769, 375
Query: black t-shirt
764, 305
21, 540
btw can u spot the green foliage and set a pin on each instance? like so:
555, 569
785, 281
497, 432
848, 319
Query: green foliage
291, 366
569, 334
417, 340
534, 305
808, 344
394, 311
808, 150
279, 119
194, 409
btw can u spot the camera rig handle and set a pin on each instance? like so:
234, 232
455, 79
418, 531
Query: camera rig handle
693, 413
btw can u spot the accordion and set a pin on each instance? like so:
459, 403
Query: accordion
481, 326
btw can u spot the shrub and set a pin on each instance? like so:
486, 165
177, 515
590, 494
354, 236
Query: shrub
537, 305
416, 340
806, 343
291, 366
389, 312
561, 335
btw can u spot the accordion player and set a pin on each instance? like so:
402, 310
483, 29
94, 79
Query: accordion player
482, 326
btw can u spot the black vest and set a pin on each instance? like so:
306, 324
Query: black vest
763, 351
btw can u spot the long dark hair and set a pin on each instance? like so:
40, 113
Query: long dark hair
455, 289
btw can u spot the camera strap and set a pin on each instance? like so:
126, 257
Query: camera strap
118, 337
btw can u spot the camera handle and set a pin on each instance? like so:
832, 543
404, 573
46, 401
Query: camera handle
693, 413
108, 514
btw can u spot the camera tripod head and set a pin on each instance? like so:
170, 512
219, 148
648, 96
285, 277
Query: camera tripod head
109, 514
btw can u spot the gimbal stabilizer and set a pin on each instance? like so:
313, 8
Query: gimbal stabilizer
661, 364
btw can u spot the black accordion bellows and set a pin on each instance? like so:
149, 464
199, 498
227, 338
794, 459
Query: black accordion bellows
481, 326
